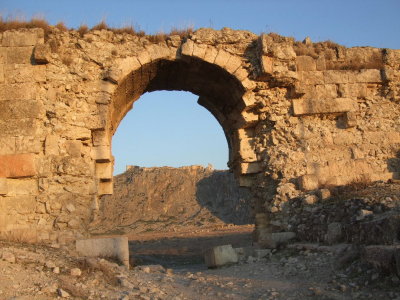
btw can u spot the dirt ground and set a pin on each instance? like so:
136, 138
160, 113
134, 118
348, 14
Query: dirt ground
170, 266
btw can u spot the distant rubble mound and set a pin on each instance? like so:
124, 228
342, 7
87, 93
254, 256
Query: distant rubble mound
169, 199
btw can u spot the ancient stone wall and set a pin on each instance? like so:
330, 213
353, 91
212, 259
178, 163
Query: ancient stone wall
297, 116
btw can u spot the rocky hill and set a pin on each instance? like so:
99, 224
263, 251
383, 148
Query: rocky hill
170, 199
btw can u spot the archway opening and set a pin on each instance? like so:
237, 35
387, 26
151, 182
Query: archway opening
210, 198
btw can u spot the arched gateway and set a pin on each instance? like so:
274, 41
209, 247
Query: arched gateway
297, 117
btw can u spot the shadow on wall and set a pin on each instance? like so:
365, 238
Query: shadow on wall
222, 196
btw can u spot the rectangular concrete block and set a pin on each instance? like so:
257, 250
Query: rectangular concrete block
3, 186
17, 165
113, 247
220, 256
322, 106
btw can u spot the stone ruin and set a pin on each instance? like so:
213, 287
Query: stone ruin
298, 116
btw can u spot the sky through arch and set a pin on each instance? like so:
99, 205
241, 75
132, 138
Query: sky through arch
169, 128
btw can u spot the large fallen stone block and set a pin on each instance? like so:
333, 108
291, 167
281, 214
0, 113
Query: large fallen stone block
115, 247
273, 240
220, 256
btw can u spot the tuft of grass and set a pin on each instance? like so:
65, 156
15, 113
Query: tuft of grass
83, 29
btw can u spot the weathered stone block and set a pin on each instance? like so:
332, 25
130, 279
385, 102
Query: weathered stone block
3, 186
104, 171
233, 64
17, 165
210, 55
14, 109
25, 37
187, 48
366, 76
113, 247
100, 138
101, 153
51, 146
199, 51
7, 145
267, 65
144, 57
308, 182
42, 54
222, 58
246, 181
22, 204
74, 148
20, 91
305, 63
247, 150
334, 233
322, 106
336, 76
220, 256
311, 77
250, 168
350, 119
105, 188
1, 73
19, 55
21, 186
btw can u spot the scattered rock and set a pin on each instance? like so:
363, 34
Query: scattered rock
75, 272
62, 293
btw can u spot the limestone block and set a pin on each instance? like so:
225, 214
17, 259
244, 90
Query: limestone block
157, 52
25, 144
273, 240
187, 48
320, 63
104, 171
22, 204
220, 256
311, 77
21, 186
267, 64
74, 148
20, 91
17, 165
222, 58
365, 76
248, 119
241, 74
322, 106
7, 145
113, 247
51, 146
326, 91
27, 37
144, 57
308, 182
199, 50
336, 76
101, 153
105, 188
250, 168
3, 186
19, 109
42, 54
247, 150
305, 63
350, 119
249, 100
210, 55
19, 55
233, 64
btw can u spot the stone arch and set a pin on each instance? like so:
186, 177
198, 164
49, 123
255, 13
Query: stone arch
222, 87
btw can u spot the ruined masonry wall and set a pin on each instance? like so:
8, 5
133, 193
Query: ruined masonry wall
297, 117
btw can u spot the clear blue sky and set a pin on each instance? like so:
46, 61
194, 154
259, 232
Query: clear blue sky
169, 128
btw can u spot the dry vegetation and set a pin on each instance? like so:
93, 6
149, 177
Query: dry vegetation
10, 24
